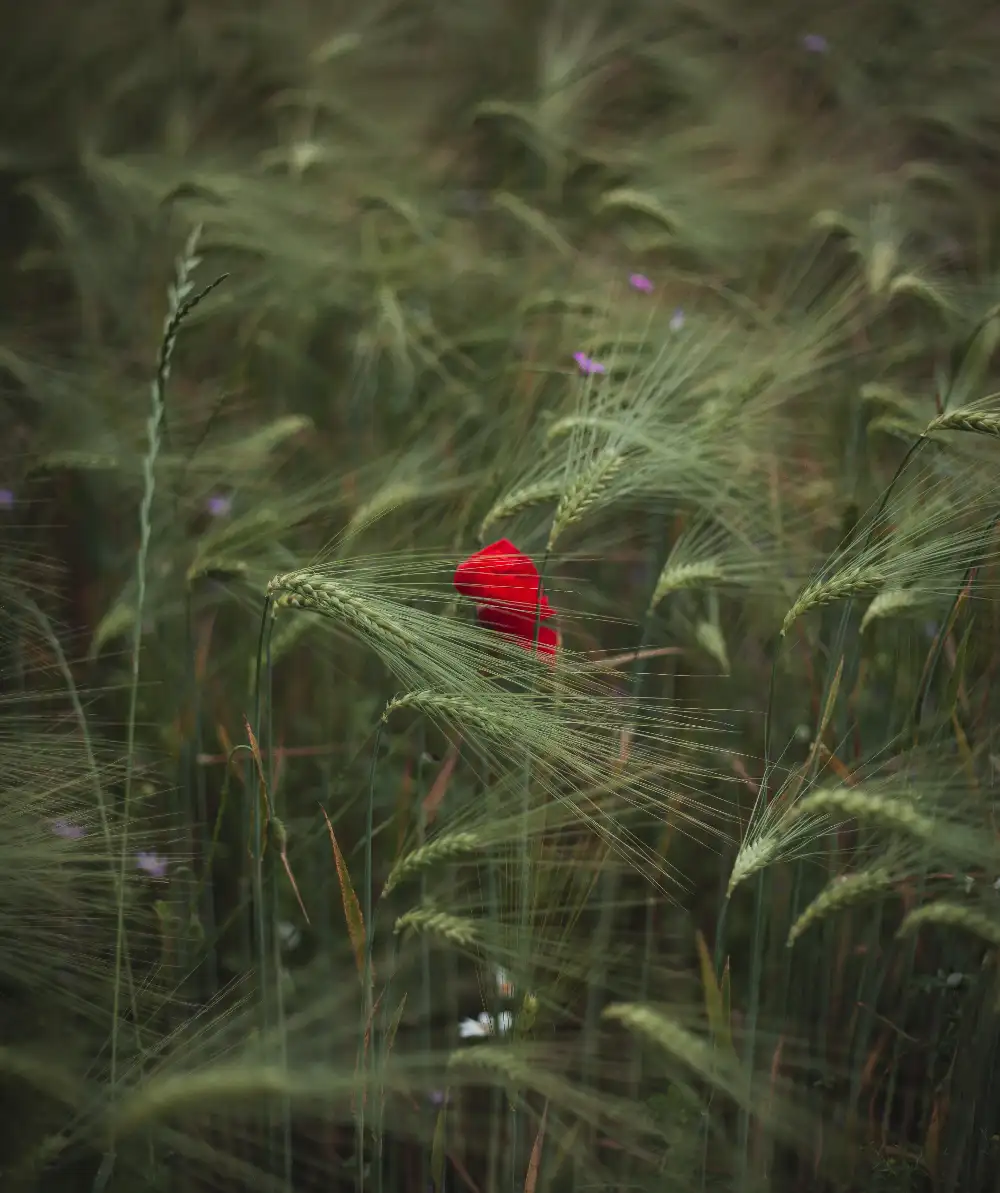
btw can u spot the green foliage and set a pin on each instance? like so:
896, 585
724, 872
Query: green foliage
311, 879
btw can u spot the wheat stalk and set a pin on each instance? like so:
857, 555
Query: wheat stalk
455, 929
843, 892
752, 858
236, 1086
584, 492
888, 603
182, 299
699, 1055
979, 422
954, 915
443, 849
774, 834
941, 833
317, 594
518, 500
677, 576
488, 719
857, 578
863, 805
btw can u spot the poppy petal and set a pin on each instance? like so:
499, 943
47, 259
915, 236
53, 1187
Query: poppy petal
506, 587
521, 629
501, 574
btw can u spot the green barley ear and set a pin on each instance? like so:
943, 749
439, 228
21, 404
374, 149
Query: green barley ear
413, 480
848, 582
773, 1101
979, 422
775, 834
711, 553
456, 930
847, 891
984, 924
444, 849
877, 242
587, 489
932, 531
914, 815
710, 1064
517, 501
633, 434
979, 417
890, 603
505, 723
678, 576
317, 593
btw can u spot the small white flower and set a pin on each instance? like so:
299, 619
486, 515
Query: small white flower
476, 1029
485, 1026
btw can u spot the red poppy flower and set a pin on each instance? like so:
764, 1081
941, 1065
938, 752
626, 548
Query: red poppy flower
505, 585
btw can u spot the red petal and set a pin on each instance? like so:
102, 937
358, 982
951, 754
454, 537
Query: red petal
503, 576
521, 629
498, 570
518, 620
505, 585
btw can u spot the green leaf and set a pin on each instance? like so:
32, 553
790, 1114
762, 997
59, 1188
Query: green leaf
710, 639
716, 1002
352, 908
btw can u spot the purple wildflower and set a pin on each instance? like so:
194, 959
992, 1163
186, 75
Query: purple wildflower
437, 1097
677, 320
67, 830
815, 43
219, 506
6, 499
151, 864
587, 365
639, 281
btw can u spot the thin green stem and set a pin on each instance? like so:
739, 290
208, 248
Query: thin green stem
610, 883
425, 951
182, 302
367, 1018
256, 826
761, 884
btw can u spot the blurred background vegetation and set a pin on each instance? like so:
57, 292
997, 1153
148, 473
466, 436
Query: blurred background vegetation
696, 303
